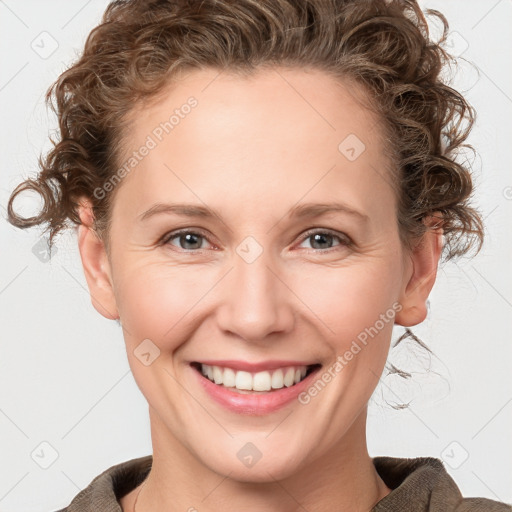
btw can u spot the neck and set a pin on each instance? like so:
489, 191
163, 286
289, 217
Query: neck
342, 479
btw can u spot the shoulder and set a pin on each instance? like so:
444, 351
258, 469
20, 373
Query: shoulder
423, 484
105, 490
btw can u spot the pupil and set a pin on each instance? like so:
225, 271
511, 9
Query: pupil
187, 238
321, 238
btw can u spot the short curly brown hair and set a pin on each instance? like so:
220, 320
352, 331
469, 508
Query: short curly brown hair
384, 45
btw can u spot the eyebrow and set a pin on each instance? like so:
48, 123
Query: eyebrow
304, 210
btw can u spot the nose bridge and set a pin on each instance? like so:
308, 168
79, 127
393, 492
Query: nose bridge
256, 302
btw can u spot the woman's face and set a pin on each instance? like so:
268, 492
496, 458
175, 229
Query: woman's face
288, 255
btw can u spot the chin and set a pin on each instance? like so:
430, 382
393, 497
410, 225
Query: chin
246, 463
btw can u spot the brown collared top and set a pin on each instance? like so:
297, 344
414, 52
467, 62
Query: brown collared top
418, 485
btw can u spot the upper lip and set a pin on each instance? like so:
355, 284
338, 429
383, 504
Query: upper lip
254, 367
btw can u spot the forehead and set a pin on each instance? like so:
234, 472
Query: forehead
278, 132
259, 103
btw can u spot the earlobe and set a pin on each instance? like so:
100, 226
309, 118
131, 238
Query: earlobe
95, 264
421, 275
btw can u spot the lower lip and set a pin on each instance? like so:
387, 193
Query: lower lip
255, 404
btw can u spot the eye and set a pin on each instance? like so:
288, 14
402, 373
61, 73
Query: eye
323, 239
191, 241
187, 240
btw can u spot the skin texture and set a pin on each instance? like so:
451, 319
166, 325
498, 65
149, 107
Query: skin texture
251, 150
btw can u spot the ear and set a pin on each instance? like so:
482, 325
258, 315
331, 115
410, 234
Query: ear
95, 264
421, 273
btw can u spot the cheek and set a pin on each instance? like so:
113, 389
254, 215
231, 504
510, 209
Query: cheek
156, 303
348, 300
154, 299
162, 301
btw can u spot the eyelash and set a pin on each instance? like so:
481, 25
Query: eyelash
344, 240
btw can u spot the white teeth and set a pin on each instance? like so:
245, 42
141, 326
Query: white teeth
243, 380
288, 377
228, 379
260, 381
217, 375
277, 379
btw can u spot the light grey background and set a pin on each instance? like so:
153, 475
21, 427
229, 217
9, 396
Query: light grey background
64, 376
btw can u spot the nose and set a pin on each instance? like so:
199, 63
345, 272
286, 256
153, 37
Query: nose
256, 302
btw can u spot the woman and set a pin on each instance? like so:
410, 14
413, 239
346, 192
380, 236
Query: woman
208, 150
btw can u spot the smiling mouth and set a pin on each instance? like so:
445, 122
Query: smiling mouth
255, 382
